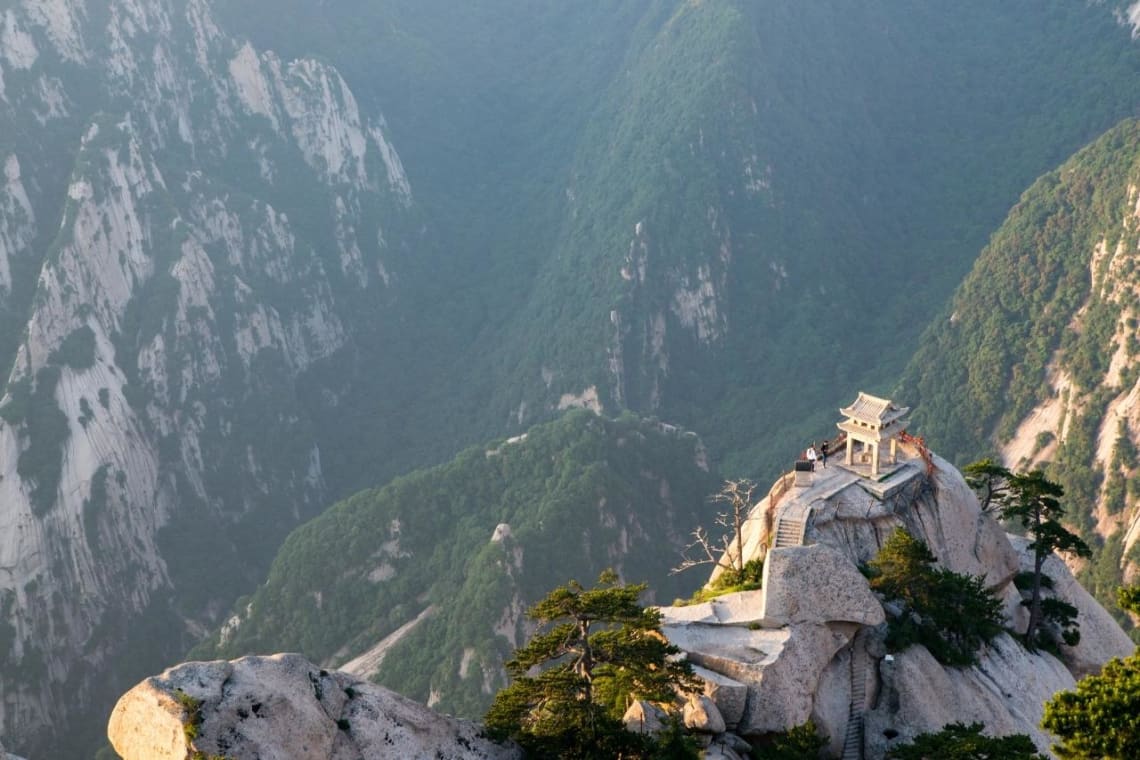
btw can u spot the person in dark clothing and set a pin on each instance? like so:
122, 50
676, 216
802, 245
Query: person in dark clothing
823, 452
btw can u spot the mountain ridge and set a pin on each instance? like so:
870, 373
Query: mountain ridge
1035, 359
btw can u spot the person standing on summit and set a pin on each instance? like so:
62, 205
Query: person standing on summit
823, 452
812, 456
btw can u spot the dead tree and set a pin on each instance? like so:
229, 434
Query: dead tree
706, 550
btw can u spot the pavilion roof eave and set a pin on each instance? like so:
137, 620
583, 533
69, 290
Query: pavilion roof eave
861, 433
873, 409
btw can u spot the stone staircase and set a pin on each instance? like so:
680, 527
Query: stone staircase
789, 532
853, 739
790, 526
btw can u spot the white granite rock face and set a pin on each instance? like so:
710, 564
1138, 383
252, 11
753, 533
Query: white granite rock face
816, 584
701, 714
833, 701
284, 708
1006, 691
189, 280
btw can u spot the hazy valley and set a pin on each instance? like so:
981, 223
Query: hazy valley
258, 261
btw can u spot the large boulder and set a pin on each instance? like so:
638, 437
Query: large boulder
643, 717
729, 694
1006, 691
816, 584
282, 708
702, 715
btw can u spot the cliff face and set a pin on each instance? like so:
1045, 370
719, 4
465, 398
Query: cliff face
811, 643
1038, 357
165, 285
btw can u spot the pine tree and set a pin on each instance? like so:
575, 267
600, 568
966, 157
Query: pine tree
1099, 718
596, 650
1034, 501
952, 615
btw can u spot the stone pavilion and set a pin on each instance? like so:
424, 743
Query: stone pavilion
872, 421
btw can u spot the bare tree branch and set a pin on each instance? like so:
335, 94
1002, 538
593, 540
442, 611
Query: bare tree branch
737, 494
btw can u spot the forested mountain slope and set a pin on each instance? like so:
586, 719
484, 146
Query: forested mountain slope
1038, 355
440, 566
188, 227
727, 213
227, 300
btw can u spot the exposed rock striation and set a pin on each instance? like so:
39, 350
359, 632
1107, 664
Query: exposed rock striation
284, 708
811, 644
166, 289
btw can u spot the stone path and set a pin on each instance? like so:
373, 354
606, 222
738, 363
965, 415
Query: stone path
790, 526
853, 738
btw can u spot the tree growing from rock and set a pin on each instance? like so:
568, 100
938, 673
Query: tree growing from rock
957, 741
803, 742
596, 650
727, 551
990, 481
952, 615
1033, 501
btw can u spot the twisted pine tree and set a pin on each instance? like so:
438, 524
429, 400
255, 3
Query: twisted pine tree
596, 650
1034, 502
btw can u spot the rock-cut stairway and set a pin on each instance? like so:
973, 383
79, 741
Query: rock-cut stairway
790, 526
853, 738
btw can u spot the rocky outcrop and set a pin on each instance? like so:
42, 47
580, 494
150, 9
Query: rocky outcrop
1101, 636
811, 643
807, 584
1006, 691
283, 708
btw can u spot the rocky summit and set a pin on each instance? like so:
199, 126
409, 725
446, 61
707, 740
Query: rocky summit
811, 643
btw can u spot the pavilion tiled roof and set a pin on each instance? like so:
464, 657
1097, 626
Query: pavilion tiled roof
875, 410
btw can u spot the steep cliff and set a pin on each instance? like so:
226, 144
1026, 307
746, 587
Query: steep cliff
204, 226
1038, 357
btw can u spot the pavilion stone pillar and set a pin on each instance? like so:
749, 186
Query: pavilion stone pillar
850, 450
894, 450
874, 459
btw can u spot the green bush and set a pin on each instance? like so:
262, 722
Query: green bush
952, 615
957, 741
77, 350
800, 743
